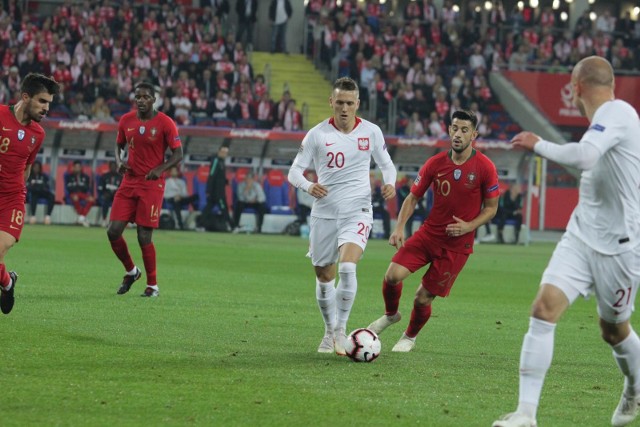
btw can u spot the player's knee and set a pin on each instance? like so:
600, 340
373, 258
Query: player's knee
391, 278
422, 300
541, 309
614, 334
113, 234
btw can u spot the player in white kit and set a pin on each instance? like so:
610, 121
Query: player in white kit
340, 149
600, 251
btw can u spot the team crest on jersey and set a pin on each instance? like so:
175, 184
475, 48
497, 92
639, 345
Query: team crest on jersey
153, 131
457, 174
471, 177
20, 135
142, 129
363, 144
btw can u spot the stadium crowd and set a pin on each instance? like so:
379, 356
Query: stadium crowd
99, 50
433, 61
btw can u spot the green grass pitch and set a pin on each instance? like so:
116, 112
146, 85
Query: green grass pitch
231, 341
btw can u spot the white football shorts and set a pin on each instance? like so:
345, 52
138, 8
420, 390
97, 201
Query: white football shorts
327, 235
576, 269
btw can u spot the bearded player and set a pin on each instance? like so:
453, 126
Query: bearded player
20, 139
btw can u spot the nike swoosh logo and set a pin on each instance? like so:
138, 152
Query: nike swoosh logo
329, 145
14, 228
440, 174
130, 129
5, 129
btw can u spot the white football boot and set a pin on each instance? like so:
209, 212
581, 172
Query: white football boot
515, 419
626, 411
404, 345
384, 322
326, 345
338, 343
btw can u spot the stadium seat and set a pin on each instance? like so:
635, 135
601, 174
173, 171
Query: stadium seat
199, 182
276, 189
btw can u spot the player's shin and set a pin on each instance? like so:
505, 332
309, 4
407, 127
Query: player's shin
535, 360
391, 295
346, 292
419, 317
627, 356
119, 247
149, 260
326, 297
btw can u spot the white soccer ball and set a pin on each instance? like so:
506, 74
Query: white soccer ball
363, 345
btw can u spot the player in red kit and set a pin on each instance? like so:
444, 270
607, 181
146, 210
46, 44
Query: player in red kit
146, 134
465, 184
20, 139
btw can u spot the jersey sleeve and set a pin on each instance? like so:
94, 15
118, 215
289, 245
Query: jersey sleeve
301, 163
490, 184
383, 159
121, 138
171, 133
423, 180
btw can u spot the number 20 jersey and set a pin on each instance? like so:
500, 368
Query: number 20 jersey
342, 162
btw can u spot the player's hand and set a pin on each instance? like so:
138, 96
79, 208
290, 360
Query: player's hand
123, 168
525, 140
153, 174
397, 239
318, 190
458, 228
388, 191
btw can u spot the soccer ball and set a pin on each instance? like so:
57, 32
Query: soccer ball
363, 345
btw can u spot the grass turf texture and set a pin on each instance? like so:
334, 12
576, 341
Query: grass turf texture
232, 340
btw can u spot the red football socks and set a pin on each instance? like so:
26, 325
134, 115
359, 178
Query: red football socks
5, 279
149, 259
119, 247
419, 317
391, 294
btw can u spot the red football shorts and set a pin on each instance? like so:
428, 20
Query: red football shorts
138, 201
419, 251
12, 214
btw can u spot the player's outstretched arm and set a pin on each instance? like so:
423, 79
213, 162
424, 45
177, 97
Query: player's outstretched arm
406, 211
583, 155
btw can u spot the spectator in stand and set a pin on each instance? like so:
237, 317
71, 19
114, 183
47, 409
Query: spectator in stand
437, 127
108, 183
175, 193
246, 11
250, 195
38, 187
414, 128
484, 128
100, 111
80, 109
182, 107
201, 107
80, 189
220, 107
264, 112
279, 14
292, 117
281, 107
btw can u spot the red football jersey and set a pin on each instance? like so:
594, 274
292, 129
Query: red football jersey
19, 146
147, 141
457, 190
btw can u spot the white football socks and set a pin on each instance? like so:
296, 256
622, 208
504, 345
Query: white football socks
627, 355
535, 360
133, 272
346, 292
326, 296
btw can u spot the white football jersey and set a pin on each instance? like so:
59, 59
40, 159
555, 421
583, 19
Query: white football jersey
607, 217
342, 163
